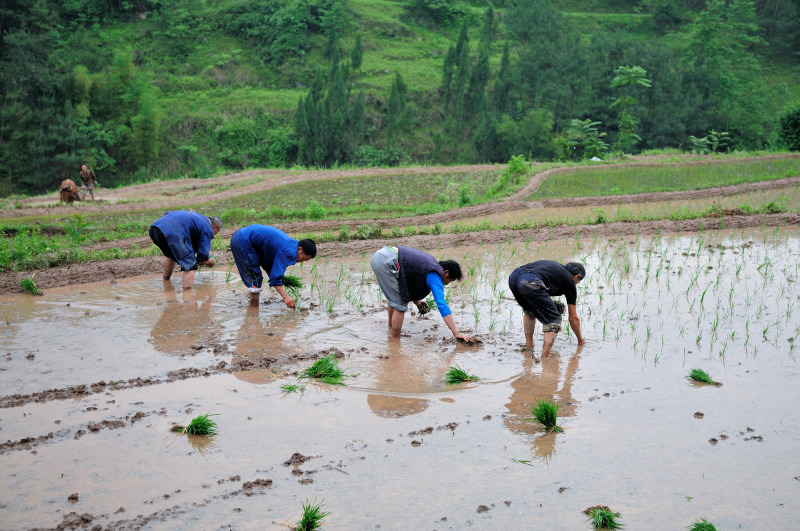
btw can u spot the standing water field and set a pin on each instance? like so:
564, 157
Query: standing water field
94, 377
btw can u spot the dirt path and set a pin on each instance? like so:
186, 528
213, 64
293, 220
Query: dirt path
180, 193
114, 269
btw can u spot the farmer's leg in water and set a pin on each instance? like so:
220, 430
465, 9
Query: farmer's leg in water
169, 267
529, 327
385, 265
188, 279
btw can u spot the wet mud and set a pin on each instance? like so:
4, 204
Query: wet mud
87, 416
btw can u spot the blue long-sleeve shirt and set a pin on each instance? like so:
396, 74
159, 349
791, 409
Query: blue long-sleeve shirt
269, 248
188, 235
434, 281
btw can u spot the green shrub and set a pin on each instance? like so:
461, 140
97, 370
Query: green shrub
789, 131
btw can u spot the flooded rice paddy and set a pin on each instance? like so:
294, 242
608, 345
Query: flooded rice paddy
94, 376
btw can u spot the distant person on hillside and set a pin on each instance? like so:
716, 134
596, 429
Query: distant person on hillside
534, 285
408, 275
262, 246
69, 191
185, 238
89, 181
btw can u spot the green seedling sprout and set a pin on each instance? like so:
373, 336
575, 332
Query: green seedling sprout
292, 388
201, 425
702, 525
456, 375
29, 285
601, 517
312, 516
326, 370
545, 412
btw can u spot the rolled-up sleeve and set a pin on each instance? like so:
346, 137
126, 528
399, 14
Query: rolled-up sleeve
436, 285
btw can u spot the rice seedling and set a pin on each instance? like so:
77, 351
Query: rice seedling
699, 375
292, 388
456, 374
326, 370
545, 412
702, 525
200, 425
29, 285
601, 517
312, 516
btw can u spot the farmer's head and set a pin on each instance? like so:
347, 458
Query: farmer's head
577, 270
216, 223
452, 271
306, 250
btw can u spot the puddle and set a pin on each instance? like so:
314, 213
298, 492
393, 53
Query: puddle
397, 444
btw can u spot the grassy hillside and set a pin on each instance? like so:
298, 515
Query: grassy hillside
194, 87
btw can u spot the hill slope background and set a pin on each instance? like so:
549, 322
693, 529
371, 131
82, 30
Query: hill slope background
150, 89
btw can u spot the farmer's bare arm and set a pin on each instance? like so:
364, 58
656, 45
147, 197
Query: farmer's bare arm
575, 323
287, 300
451, 324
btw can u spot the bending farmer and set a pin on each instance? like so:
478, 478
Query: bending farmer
185, 238
260, 246
407, 275
534, 285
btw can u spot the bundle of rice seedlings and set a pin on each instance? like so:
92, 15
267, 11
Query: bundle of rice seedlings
601, 517
312, 516
560, 306
326, 370
699, 375
292, 388
456, 375
702, 525
545, 412
201, 425
292, 282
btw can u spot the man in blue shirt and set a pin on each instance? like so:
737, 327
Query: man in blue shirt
260, 246
407, 275
185, 238
534, 285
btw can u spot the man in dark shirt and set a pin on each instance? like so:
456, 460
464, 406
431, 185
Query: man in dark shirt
534, 285
89, 181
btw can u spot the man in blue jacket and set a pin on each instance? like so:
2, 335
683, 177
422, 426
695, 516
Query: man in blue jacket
260, 246
185, 238
407, 275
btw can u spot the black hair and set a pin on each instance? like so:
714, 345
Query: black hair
576, 268
453, 267
309, 247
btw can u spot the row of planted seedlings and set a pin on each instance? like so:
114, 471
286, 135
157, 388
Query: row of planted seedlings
709, 293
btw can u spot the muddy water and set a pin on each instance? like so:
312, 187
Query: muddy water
397, 448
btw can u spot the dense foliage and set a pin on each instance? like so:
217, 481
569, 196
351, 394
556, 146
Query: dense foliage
148, 88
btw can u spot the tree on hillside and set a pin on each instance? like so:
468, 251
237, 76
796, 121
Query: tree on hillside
627, 78
720, 42
397, 113
334, 24
357, 54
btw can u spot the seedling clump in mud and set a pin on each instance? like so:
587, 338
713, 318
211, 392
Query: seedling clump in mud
601, 517
545, 412
457, 375
326, 370
312, 516
201, 425
699, 375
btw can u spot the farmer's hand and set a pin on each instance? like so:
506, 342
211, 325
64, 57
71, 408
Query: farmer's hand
210, 262
465, 338
289, 302
423, 307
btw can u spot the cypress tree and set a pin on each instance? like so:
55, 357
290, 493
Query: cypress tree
357, 55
